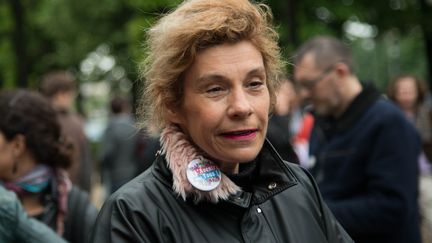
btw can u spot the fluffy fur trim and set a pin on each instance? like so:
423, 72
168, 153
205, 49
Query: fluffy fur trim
179, 152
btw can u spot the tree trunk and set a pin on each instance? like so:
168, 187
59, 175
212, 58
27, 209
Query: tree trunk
426, 25
19, 43
428, 45
292, 22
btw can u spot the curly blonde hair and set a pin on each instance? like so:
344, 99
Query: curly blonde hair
176, 39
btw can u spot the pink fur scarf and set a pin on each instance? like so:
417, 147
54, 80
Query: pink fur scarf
179, 152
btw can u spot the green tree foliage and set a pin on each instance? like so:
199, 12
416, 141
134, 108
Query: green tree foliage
36, 36
401, 42
61, 33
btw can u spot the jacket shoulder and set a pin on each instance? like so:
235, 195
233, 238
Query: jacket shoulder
80, 217
133, 213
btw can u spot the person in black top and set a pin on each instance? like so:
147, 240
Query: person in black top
211, 73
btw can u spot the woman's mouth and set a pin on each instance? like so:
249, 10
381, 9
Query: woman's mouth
241, 134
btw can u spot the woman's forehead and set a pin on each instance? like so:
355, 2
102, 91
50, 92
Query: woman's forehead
226, 59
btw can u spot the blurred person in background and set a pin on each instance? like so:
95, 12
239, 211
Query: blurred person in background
15, 225
60, 88
279, 130
118, 151
34, 157
147, 147
363, 149
409, 93
210, 80
290, 125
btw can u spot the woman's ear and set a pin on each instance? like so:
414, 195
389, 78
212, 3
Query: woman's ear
18, 144
174, 115
18, 147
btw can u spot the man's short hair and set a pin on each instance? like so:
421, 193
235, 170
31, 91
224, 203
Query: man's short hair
326, 51
55, 82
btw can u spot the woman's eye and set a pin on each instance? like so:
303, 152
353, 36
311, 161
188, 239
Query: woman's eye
256, 84
214, 90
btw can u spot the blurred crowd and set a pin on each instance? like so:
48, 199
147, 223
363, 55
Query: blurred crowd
369, 151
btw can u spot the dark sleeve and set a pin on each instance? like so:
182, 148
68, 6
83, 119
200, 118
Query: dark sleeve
81, 216
334, 231
91, 214
392, 174
122, 220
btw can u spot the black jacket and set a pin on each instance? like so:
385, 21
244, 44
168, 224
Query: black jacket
283, 205
366, 169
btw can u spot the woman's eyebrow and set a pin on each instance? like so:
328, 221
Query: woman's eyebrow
256, 71
219, 77
211, 77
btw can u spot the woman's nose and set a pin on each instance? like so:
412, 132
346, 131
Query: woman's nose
240, 104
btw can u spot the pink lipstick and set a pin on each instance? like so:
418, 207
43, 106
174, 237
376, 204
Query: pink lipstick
241, 135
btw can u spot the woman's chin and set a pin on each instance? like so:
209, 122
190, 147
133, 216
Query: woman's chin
239, 158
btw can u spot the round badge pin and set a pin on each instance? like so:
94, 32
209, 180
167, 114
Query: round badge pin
203, 174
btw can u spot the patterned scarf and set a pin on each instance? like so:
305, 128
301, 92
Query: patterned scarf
37, 180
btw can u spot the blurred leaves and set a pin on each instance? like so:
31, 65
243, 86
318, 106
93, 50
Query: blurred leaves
402, 33
62, 33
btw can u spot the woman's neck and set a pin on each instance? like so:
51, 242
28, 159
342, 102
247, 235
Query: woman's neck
229, 168
411, 110
25, 163
31, 201
32, 204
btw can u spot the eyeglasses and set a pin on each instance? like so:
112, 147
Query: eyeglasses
310, 84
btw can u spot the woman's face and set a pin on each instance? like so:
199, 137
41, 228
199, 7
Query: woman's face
406, 93
7, 157
226, 103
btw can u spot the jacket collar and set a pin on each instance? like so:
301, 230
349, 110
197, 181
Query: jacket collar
271, 175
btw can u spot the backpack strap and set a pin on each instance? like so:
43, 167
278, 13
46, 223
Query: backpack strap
75, 225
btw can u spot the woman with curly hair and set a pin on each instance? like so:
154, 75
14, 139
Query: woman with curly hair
210, 76
33, 158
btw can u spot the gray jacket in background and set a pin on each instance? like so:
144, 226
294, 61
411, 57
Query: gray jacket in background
118, 150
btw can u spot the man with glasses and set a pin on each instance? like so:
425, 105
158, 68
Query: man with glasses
364, 151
